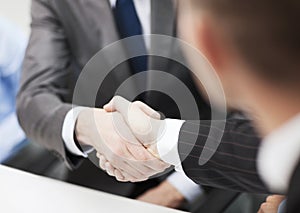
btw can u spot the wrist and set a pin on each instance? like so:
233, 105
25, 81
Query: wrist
171, 193
68, 132
83, 126
167, 144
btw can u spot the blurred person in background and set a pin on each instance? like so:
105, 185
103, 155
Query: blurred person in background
12, 48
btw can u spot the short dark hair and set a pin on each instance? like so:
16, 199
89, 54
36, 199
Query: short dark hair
266, 33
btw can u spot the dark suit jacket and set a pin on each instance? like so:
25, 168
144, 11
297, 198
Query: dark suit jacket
233, 165
293, 204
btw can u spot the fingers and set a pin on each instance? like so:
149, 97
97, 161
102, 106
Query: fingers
267, 208
275, 198
134, 117
137, 115
147, 110
147, 161
106, 166
271, 205
129, 177
102, 161
119, 176
135, 171
109, 169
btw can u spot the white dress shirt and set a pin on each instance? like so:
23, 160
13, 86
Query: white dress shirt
180, 181
279, 154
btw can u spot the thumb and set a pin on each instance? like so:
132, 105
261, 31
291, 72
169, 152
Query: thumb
120, 104
110, 107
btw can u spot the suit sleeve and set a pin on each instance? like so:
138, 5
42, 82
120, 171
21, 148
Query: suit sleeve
233, 162
41, 101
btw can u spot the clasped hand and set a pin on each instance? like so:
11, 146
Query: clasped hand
124, 135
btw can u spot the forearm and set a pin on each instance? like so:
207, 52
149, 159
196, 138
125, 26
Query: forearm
212, 156
41, 117
43, 100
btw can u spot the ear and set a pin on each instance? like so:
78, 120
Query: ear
208, 41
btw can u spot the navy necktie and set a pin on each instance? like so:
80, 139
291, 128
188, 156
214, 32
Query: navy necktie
128, 24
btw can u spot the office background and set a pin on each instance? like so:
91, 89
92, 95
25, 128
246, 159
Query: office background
18, 12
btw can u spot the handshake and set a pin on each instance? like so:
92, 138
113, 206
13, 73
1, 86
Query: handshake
125, 136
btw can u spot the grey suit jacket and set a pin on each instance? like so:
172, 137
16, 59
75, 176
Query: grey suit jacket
65, 35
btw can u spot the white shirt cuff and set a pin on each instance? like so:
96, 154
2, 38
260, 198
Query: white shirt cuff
68, 132
167, 145
185, 186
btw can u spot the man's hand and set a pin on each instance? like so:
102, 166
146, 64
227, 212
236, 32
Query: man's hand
120, 153
164, 195
143, 121
271, 205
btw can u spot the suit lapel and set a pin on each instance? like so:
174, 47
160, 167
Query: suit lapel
107, 34
163, 14
105, 24
163, 17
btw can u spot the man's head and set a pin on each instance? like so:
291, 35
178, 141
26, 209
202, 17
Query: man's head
253, 45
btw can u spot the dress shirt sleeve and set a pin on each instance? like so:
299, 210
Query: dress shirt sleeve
167, 145
68, 132
185, 186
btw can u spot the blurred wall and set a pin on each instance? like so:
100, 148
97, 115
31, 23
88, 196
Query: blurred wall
18, 12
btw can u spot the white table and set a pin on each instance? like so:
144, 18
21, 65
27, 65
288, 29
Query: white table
21, 192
